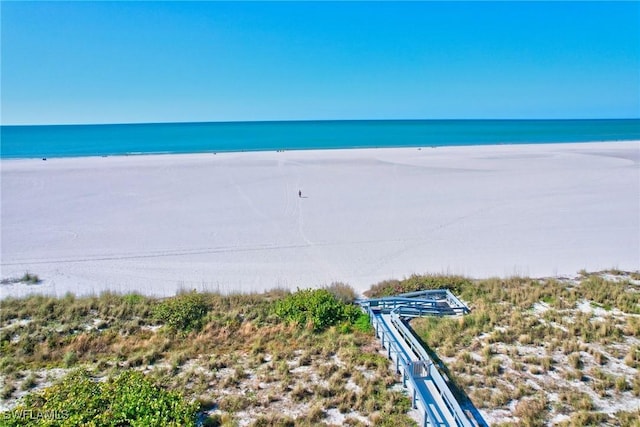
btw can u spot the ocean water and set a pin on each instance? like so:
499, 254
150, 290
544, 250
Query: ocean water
127, 139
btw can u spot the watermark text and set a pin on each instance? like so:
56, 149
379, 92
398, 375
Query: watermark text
35, 414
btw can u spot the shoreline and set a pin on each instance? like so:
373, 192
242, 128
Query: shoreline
156, 224
405, 147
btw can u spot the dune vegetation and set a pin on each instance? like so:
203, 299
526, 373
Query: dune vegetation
279, 358
540, 352
531, 352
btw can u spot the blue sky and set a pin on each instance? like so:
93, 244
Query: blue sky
98, 62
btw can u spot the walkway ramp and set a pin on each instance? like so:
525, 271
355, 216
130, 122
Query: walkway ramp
429, 388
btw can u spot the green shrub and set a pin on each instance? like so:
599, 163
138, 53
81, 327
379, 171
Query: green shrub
183, 312
133, 298
363, 323
316, 307
128, 399
30, 278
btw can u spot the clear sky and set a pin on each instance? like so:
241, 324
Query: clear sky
99, 62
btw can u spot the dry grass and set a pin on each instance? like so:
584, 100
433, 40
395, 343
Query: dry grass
531, 352
242, 364
526, 342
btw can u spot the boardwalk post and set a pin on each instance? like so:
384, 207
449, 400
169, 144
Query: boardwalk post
404, 377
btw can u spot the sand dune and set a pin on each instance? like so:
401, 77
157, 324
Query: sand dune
234, 221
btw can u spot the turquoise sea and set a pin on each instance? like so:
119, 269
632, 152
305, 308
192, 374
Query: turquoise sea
126, 139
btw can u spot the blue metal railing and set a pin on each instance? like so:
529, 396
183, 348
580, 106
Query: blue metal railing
403, 364
440, 302
437, 302
434, 373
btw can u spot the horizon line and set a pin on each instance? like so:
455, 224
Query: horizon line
311, 121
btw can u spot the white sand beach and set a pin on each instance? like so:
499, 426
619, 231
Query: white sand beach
234, 221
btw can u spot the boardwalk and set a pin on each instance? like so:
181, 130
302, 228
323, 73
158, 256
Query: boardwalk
430, 390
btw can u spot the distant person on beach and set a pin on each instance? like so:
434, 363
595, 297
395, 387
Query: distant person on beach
299, 193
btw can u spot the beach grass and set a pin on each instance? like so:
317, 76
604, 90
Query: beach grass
531, 352
528, 342
235, 353
28, 278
